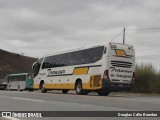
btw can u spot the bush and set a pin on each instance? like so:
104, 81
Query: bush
147, 79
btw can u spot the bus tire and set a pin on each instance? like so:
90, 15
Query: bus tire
30, 90
78, 88
5, 87
65, 91
103, 92
43, 90
85, 92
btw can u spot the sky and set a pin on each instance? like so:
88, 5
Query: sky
38, 27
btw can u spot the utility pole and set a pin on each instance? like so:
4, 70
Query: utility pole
124, 35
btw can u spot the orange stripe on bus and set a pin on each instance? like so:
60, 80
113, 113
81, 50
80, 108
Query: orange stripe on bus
80, 71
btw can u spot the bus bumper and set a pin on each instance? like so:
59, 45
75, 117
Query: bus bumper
106, 84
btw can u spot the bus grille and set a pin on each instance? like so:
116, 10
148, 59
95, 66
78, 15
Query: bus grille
121, 64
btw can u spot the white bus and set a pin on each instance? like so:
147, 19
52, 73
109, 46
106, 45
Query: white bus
20, 81
103, 68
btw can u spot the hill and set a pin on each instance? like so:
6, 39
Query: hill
14, 63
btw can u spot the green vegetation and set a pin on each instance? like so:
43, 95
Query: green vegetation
147, 79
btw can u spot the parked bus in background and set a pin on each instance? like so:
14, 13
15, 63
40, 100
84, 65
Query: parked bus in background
103, 68
20, 81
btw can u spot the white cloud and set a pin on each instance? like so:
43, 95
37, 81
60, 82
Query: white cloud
38, 27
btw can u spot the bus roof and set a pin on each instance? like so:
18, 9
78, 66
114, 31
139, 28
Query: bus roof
82, 48
19, 74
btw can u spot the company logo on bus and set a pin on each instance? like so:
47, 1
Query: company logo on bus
55, 72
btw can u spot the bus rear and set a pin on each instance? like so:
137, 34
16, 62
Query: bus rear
121, 66
29, 82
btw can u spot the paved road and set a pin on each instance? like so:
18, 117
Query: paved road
55, 101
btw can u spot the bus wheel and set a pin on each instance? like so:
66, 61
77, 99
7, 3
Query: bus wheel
79, 89
5, 87
103, 92
43, 90
65, 91
30, 90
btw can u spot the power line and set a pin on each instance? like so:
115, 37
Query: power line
148, 56
116, 36
152, 28
158, 28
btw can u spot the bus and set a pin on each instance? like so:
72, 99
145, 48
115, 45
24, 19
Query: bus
20, 81
102, 68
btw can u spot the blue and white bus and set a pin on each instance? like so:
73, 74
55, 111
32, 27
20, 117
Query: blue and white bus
20, 81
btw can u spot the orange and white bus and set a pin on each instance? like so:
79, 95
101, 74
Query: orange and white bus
102, 68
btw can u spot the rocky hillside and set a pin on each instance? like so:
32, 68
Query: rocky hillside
14, 63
